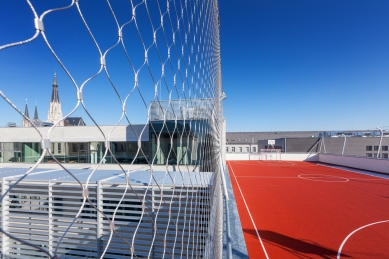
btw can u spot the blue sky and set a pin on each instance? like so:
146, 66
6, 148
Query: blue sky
286, 65
301, 65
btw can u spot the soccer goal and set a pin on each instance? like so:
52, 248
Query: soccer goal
270, 154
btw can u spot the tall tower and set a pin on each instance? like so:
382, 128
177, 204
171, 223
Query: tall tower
55, 111
25, 122
36, 113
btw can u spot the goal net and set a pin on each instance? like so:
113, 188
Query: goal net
270, 154
145, 78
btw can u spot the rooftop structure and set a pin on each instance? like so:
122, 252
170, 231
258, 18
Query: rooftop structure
74, 121
47, 200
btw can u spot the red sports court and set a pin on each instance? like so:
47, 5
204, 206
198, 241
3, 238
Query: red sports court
310, 210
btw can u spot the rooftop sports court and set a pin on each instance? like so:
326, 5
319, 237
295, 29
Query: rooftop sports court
310, 210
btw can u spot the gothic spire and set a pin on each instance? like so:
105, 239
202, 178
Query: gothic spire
25, 121
36, 113
55, 111
55, 95
26, 111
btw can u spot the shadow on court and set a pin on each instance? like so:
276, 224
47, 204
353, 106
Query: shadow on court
297, 247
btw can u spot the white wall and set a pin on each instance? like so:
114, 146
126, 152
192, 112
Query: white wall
364, 163
284, 156
74, 134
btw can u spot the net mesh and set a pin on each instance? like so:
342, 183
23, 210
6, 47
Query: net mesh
270, 154
152, 67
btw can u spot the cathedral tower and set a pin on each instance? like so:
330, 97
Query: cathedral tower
55, 111
25, 122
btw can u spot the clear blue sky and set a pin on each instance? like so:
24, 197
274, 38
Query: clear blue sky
287, 65
301, 65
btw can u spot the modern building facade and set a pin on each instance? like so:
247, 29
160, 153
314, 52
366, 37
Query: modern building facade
351, 143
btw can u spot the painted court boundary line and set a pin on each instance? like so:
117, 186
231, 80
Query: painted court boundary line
349, 235
248, 210
353, 171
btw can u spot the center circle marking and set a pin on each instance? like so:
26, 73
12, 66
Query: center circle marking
323, 178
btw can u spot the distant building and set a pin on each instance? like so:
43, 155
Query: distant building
54, 114
74, 121
55, 110
36, 121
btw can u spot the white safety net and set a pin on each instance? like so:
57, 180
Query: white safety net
142, 179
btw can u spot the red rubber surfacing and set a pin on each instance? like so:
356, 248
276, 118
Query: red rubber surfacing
305, 210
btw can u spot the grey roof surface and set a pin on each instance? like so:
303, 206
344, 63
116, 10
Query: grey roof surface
74, 121
139, 177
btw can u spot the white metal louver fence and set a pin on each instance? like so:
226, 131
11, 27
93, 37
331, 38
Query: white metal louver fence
167, 225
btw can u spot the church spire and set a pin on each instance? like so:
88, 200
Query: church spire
55, 110
26, 111
36, 113
25, 122
54, 94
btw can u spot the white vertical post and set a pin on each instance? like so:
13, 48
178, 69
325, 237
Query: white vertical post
322, 142
50, 212
4, 217
379, 146
344, 143
99, 218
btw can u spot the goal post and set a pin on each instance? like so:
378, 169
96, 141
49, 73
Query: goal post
270, 154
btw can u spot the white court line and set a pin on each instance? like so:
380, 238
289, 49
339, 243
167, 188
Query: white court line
322, 177
365, 226
255, 176
352, 171
244, 200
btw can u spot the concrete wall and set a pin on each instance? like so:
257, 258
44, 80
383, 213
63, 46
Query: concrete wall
355, 146
284, 156
301, 144
364, 163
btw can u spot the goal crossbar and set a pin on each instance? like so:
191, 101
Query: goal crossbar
270, 154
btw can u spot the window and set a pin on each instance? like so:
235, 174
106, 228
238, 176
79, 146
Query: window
226, 149
384, 155
375, 154
384, 148
247, 149
240, 149
233, 149
74, 147
375, 148
245, 139
369, 148
369, 155
254, 149
59, 147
